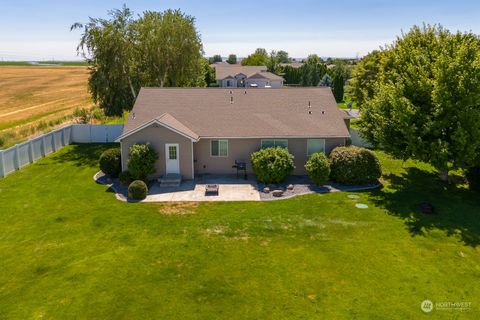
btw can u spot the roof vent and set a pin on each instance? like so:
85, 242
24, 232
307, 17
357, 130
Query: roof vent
231, 100
309, 105
309, 112
231, 92
323, 111
245, 91
133, 116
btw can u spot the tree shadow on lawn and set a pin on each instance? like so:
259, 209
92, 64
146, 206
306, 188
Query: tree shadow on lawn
457, 210
83, 154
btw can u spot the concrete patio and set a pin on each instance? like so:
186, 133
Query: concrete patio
230, 189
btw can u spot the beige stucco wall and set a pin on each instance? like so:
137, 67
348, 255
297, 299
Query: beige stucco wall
240, 149
158, 136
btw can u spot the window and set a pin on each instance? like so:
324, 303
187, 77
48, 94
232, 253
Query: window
219, 148
229, 83
172, 153
315, 145
267, 143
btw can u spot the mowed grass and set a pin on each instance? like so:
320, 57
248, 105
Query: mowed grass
35, 93
69, 249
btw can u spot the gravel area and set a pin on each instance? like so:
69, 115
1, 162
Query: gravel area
302, 185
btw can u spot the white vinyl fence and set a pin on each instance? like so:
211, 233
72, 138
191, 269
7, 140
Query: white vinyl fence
14, 158
357, 140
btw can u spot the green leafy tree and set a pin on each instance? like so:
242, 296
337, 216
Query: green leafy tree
282, 57
209, 72
216, 58
426, 99
160, 36
232, 59
108, 48
258, 58
338, 86
125, 54
364, 76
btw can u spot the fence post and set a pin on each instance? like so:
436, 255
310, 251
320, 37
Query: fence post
44, 148
2, 165
63, 137
30, 151
54, 143
16, 162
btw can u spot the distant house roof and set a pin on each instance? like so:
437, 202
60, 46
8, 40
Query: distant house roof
292, 64
239, 113
223, 71
265, 75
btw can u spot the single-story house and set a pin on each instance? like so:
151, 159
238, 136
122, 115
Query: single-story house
205, 130
238, 76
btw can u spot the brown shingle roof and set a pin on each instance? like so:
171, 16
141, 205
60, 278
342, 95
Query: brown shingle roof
265, 75
225, 70
208, 112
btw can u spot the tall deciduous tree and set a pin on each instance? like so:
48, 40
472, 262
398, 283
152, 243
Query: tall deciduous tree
160, 38
216, 58
258, 58
426, 99
107, 46
232, 59
124, 54
364, 76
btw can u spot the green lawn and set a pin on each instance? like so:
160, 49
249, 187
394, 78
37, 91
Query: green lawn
68, 250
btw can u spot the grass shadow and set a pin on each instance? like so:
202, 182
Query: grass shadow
457, 210
83, 154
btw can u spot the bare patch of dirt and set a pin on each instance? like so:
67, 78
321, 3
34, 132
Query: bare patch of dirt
179, 208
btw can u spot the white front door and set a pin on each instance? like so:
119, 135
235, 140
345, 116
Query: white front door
172, 161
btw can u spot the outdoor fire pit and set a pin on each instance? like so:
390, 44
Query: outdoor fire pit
211, 189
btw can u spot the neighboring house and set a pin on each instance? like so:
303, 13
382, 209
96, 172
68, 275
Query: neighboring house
205, 130
238, 76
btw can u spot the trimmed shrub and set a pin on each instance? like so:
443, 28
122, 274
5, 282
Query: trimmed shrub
272, 165
354, 165
125, 178
137, 190
473, 177
110, 162
318, 168
142, 161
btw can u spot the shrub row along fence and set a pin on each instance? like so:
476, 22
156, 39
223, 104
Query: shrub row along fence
20, 155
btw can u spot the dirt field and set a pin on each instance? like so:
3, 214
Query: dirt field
29, 95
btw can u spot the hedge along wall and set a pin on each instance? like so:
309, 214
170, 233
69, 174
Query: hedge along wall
20, 155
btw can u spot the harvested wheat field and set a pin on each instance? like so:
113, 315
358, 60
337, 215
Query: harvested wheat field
32, 94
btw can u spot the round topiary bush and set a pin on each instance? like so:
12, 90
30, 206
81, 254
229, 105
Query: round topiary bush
354, 165
110, 162
137, 190
318, 168
272, 165
142, 161
473, 177
125, 178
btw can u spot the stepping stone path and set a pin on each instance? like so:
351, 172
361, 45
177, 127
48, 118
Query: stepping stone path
353, 196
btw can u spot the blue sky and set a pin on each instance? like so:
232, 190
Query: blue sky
36, 30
